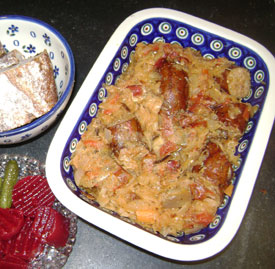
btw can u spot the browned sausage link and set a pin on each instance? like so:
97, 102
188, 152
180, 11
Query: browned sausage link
217, 168
239, 121
174, 87
126, 131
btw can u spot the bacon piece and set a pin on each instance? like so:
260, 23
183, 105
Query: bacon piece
167, 148
200, 100
239, 121
200, 191
123, 177
173, 165
159, 63
174, 87
136, 90
203, 218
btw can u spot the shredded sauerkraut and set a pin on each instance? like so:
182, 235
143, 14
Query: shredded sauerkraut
161, 148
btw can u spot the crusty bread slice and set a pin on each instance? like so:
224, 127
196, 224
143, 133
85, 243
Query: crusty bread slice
27, 91
11, 58
2, 50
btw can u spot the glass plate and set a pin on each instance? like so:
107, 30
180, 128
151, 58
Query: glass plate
51, 257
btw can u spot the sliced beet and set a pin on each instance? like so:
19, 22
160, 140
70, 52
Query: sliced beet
24, 245
32, 192
11, 221
51, 226
13, 262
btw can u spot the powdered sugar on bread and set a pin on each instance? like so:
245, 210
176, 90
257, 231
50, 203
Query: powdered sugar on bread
27, 91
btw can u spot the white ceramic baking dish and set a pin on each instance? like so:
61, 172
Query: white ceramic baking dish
213, 41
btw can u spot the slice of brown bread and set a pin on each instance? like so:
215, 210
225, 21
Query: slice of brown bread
2, 50
27, 91
11, 58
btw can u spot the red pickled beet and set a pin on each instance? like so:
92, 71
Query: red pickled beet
1, 249
11, 221
25, 245
51, 226
13, 262
31, 192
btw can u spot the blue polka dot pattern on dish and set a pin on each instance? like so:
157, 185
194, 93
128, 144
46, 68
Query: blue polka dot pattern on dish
66, 164
124, 67
248, 96
131, 55
250, 62
237, 166
165, 27
198, 237
124, 52
133, 40
211, 46
71, 184
172, 238
234, 53
259, 91
215, 222
116, 64
197, 39
109, 78
216, 45
159, 39
224, 202
82, 127
147, 29
85, 198
175, 42
93, 110
243, 145
259, 76
182, 33
208, 56
101, 94
73, 145
249, 126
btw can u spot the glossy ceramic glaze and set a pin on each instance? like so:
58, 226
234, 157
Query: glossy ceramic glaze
212, 41
31, 36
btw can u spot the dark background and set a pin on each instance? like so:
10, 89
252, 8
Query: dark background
87, 26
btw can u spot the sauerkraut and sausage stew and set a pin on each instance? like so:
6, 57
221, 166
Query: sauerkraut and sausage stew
161, 148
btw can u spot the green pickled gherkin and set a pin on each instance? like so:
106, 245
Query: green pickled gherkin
9, 180
1, 183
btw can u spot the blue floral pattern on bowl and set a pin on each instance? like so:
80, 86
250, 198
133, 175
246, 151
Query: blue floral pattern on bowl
210, 46
31, 36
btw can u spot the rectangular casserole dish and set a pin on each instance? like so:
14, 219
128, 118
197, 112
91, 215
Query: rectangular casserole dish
169, 26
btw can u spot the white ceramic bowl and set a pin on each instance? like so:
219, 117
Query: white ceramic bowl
31, 36
213, 41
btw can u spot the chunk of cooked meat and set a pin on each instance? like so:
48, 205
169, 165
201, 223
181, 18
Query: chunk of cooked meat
174, 88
